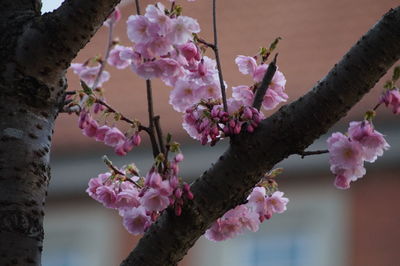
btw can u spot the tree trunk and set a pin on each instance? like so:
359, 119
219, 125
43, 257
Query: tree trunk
25, 138
35, 52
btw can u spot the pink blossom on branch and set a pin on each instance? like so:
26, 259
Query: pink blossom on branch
89, 74
115, 59
348, 153
114, 17
392, 98
372, 141
135, 220
249, 215
247, 65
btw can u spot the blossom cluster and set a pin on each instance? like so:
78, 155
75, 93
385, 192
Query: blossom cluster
259, 207
348, 153
276, 90
111, 136
164, 48
208, 122
140, 200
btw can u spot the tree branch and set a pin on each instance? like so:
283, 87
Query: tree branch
292, 128
216, 52
58, 36
150, 111
9, 7
308, 153
262, 88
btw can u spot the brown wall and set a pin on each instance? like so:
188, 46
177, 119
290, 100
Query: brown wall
376, 220
316, 34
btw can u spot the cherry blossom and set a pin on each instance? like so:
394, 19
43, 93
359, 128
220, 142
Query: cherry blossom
135, 220
89, 74
115, 58
392, 98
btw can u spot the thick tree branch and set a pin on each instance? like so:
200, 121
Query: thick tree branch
52, 40
9, 7
288, 131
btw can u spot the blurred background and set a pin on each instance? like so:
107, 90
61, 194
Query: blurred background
322, 226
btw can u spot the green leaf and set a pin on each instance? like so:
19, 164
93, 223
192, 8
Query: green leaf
86, 88
274, 44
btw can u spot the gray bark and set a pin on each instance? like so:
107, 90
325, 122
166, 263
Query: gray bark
288, 131
35, 52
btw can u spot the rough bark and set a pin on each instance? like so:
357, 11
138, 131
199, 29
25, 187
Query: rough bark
35, 51
288, 131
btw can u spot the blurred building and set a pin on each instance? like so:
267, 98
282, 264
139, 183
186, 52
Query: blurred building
323, 225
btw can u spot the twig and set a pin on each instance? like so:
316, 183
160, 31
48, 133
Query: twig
159, 133
70, 92
117, 171
205, 43
102, 65
215, 49
262, 89
122, 117
377, 105
107, 54
151, 118
137, 7
308, 153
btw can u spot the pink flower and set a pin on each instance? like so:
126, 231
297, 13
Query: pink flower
138, 29
156, 14
129, 55
276, 203
129, 143
247, 65
183, 95
224, 229
190, 51
392, 98
346, 157
148, 70
159, 46
170, 67
243, 94
178, 158
343, 152
209, 91
372, 141
120, 149
114, 137
135, 220
233, 223
89, 74
182, 29
128, 197
153, 200
271, 99
106, 195
246, 216
101, 133
256, 201
96, 182
91, 128
115, 58
342, 182
153, 179
114, 17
